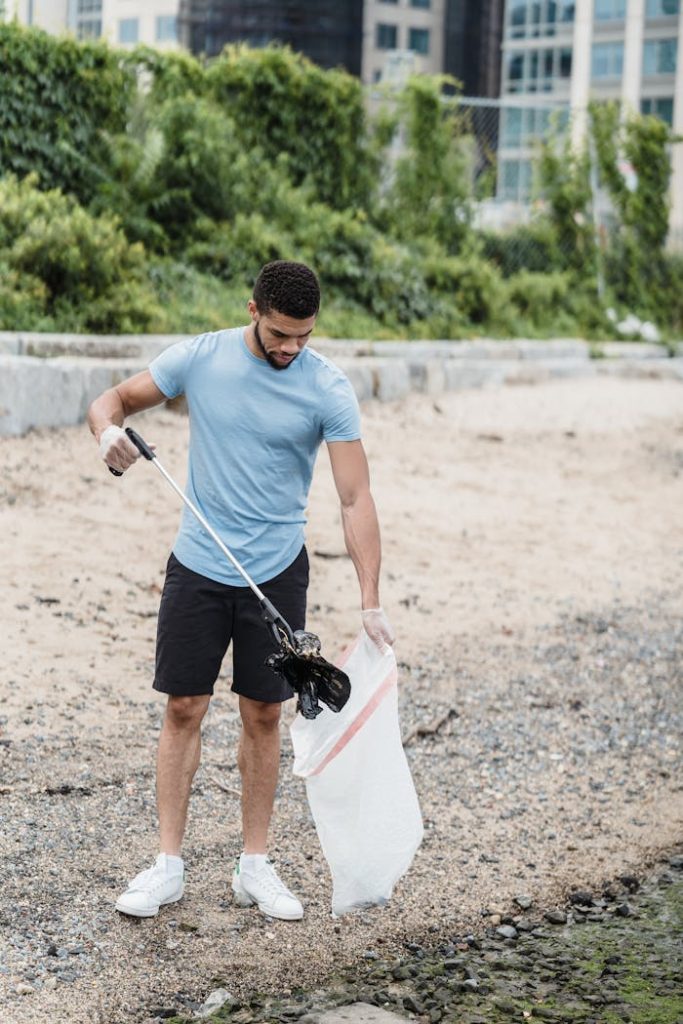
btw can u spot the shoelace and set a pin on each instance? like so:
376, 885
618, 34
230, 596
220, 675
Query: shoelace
268, 877
146, 880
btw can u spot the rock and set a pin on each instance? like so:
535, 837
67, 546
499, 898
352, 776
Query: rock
556, 917
624, 910
506, 931
219, 997
630, 882
676, 862
581, 898
24, 989
523, 902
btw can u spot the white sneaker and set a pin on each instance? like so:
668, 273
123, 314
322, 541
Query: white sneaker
152, 889
264, 888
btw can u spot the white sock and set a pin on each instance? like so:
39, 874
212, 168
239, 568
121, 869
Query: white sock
251, 862
173, 865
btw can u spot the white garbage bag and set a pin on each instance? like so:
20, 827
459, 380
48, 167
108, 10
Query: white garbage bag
358, 782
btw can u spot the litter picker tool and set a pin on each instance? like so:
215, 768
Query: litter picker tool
298, 659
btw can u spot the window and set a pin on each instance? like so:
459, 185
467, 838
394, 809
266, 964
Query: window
389, 1
662, 106
534, 18
128, 30
418, 40
659, 57
167, 28
610, 10
608, 60
91, 29
377, 75
662, 8
89, 7
515, 180
421, 3
565, 63
386, 37
538, 70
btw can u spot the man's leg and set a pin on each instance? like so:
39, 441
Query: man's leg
177, 761
258, 758
255, 880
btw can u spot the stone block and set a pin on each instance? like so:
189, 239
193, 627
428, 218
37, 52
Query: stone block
559, 348
427, 376
36, 393
460, 375
9, 344
390, 379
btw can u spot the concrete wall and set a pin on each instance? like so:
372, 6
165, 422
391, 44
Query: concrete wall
48, 380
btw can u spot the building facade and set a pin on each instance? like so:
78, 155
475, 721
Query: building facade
327, 31
472, 46
120, 22
558, 55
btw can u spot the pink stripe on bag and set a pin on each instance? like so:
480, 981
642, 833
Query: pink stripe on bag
360, 719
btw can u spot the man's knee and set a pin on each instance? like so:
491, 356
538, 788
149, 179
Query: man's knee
186, 712
259, 717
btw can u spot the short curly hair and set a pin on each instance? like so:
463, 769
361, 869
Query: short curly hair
288, 288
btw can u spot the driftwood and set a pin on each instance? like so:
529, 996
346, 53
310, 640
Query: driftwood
431, 728
221, 785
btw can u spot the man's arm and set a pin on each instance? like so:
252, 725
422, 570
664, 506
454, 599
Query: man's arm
361, 531
107, 414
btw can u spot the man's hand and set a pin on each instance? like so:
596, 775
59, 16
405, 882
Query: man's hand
117, 450
378, 627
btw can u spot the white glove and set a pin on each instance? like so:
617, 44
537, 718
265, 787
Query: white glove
378, 627
116, 448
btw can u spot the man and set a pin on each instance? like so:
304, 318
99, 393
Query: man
260, 404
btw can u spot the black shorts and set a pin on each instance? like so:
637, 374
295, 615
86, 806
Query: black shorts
199, 617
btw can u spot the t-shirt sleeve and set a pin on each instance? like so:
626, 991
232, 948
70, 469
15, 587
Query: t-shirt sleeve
341, 414
170, 368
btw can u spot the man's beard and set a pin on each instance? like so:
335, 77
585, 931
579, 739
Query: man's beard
267, 356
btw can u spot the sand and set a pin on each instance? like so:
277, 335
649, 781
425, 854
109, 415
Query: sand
513, 521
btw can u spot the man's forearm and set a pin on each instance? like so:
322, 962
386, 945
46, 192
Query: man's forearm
361, 534
105, 411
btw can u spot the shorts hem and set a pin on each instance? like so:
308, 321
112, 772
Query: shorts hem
178, 691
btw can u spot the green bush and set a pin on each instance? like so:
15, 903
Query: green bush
470, 284
282, 103
428, 190
58, 96
534, 247
75, 270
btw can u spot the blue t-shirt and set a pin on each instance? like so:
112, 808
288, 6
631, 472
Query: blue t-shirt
254, 435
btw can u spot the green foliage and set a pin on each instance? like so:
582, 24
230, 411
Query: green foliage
162, 185
73, 270
564, 183
534, 247
428, 194
282, 103
636, 262
57, 97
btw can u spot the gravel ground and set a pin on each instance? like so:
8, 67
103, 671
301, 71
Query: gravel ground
608, 956
557, 768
